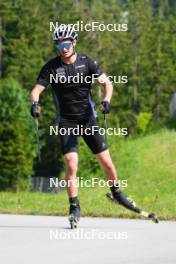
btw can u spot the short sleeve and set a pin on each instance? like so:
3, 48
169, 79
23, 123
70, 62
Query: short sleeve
94, 68
44, 76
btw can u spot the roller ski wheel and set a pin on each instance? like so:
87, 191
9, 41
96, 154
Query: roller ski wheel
73, 222
74, 215
154, 218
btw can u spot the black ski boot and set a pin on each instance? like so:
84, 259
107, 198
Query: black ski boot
74, 214
119, 197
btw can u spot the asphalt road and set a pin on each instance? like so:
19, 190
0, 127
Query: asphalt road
48, 240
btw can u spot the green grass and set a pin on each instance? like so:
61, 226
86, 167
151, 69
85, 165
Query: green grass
149, 165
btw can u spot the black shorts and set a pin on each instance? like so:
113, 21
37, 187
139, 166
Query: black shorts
88, 129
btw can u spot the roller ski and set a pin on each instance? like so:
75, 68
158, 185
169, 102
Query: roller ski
74, 215
119, 197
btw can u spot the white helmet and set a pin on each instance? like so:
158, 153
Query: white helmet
64, 32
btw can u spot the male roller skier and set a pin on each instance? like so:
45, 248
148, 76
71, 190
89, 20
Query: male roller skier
76, 107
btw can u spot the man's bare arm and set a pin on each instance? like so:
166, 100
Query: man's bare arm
107, 85
36, 91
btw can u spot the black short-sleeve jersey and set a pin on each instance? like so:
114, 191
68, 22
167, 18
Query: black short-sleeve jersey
71, 84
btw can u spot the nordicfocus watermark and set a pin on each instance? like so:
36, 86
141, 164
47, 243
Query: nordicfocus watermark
80, 130
81, 234
60, 77
91, 26
88, 183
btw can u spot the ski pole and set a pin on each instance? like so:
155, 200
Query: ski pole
105, 126
37, 137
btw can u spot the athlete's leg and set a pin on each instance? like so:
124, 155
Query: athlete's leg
71, 164
97, 144
106, 163
69, 150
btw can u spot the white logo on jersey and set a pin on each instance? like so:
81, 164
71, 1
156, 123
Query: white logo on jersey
79, 66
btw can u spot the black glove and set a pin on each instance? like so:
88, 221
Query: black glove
105, 107
35, 109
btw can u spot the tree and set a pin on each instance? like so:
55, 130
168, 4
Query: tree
17, 139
